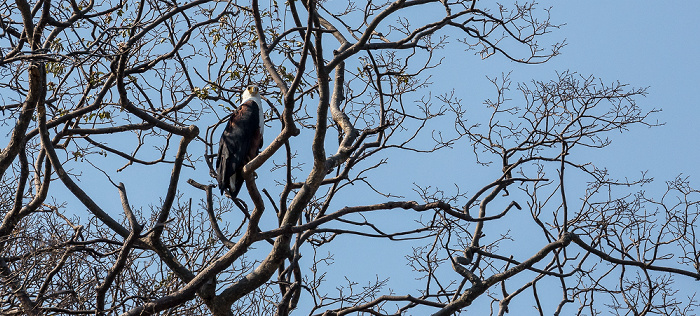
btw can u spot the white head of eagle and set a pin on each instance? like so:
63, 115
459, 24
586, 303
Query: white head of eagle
241, 141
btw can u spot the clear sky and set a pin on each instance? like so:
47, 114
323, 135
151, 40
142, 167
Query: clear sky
653, 44
644, 43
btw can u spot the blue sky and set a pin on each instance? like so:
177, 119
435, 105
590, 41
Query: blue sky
651, 44
644, 44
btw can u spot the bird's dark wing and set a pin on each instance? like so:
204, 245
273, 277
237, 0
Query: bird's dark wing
235, 147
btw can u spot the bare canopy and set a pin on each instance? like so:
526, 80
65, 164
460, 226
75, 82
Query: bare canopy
113, 112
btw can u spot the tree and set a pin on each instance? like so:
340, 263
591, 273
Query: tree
88, 85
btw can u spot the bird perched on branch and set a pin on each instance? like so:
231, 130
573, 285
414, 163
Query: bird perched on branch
241, 141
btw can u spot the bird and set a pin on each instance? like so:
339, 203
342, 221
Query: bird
241, 141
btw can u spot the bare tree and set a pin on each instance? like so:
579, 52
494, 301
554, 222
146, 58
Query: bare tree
106, 101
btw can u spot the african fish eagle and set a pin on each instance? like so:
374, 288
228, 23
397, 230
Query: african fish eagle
241, 141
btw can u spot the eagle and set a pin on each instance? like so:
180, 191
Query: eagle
241, 141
